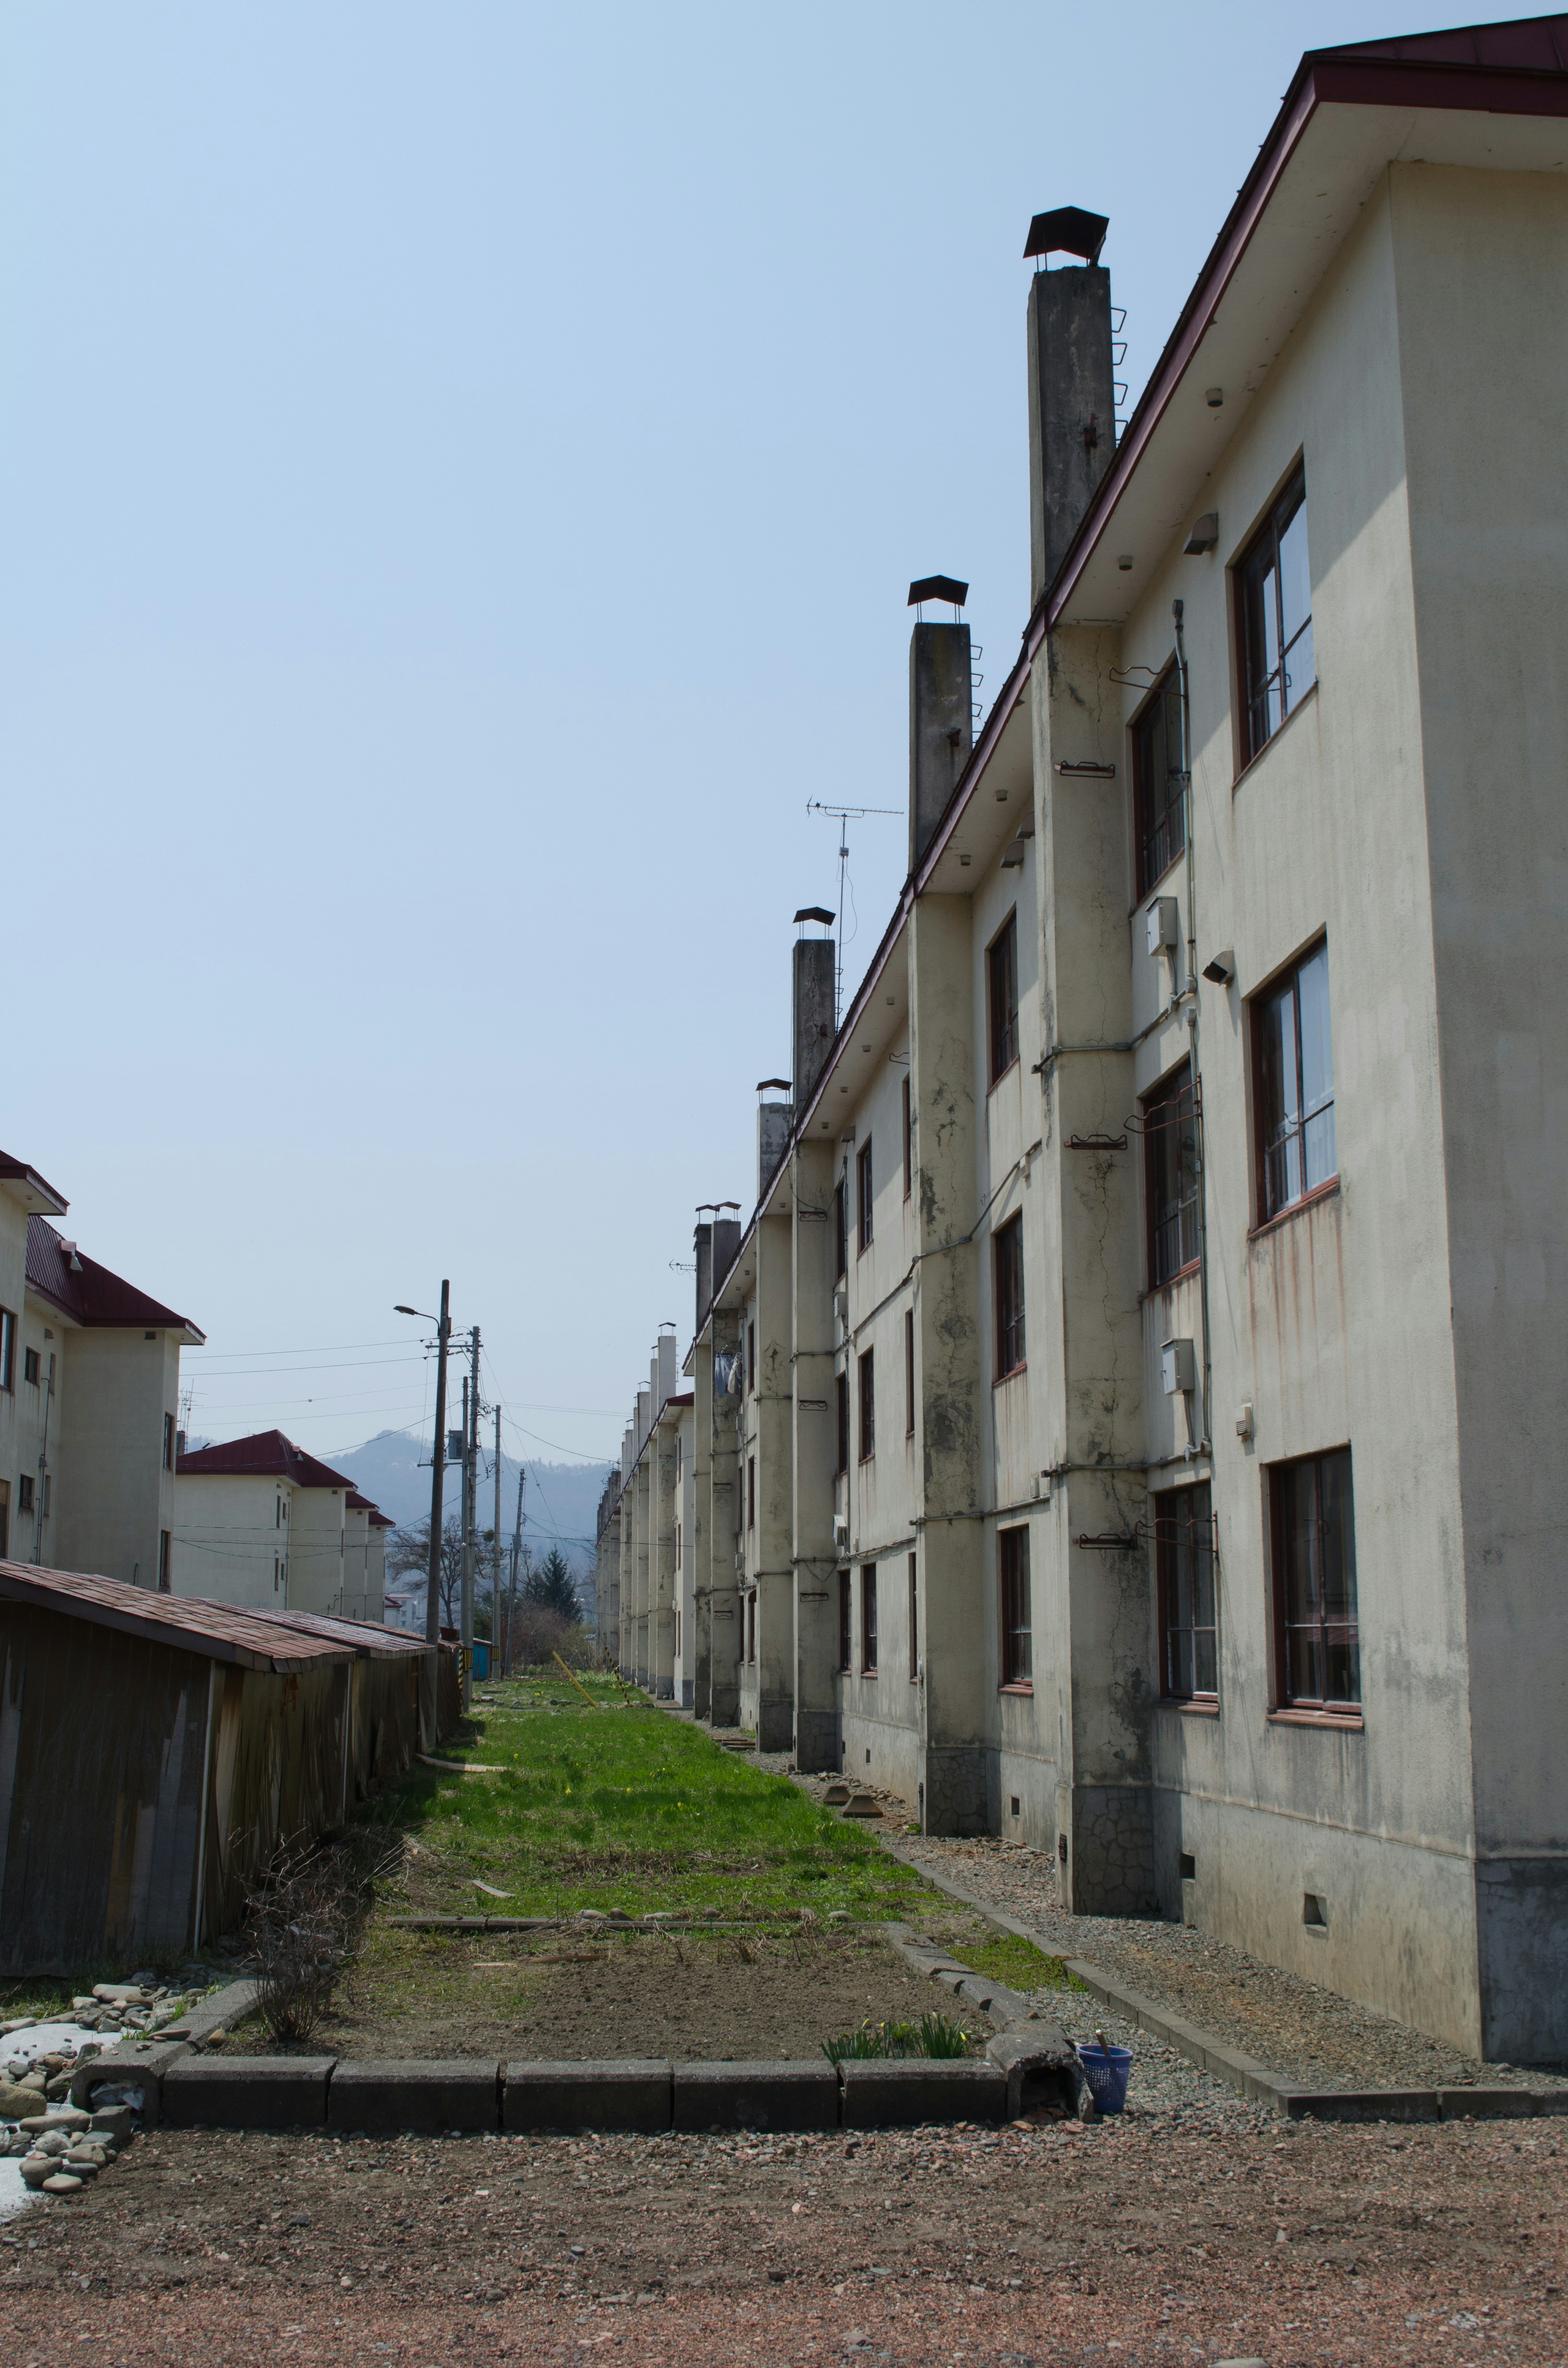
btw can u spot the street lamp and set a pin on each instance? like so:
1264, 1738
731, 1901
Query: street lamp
443, 1324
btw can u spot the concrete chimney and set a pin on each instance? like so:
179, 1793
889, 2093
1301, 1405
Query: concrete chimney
812, 1016
940, 731
702, 1243
1071, 408
774, 1121
726, 1242
661, 1371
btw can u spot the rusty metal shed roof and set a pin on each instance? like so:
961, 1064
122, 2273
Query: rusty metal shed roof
216, 1630
367, 1636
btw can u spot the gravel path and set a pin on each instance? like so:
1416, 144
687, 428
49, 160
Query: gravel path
1296, 2028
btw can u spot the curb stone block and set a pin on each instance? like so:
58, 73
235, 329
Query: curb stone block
1364, 2105
226, 2006
133, 2075
380, 2095
1485, 2104
892, 2095
251, 2092
620, 2093
1040, 2065
756, 2096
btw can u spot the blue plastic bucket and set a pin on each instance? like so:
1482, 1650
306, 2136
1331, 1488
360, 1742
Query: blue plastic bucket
1106, 2070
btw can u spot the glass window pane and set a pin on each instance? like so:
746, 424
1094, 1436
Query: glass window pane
1206, 1679
1320, 1162
1300, 668
1295, 581
1337, 1529
1317, 1056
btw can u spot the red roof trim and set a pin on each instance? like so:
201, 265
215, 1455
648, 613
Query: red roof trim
264, 1455
217, 1631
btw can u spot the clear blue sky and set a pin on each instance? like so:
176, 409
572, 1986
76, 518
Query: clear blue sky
460, 468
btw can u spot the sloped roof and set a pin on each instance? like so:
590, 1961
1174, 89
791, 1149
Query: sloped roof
89, 1292
34, 1185
366, 1637
217, 1631
264, 1455
1529, 44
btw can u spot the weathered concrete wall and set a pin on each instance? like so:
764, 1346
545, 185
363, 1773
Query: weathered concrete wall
816, 1740
726, 1517
114, 1495
771, 1546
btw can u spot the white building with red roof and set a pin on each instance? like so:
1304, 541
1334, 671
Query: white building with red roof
261, 1522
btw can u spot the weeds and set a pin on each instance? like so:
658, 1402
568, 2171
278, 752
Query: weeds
300, 1922
933, 2035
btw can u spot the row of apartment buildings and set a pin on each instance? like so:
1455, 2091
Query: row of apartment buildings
93, 1472
1126, 1419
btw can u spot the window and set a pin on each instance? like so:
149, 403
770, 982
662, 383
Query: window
750, 1492
276, 1566
7, 1349
868, 1405
751, 1359
677, 1632
1170, 1177
909, 1374
843, 1392
908, 1141
164, 1543
1002, 982
4, 1518
30, 1366
1294, 1087
48, 1492
840, 1232
1013, 1564
1158, 791
680, 1560
1184, 1558
863, 1196
751, 1627
845, 1621
1007, 1254
25, 1493
168, 1442
914, 1620
1314, 1576
1274, 601
869, 1620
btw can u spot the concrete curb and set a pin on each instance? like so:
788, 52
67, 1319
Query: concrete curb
628, 2093
137, 2066
248, 2092
227, 2006
382, 2096
776, 2096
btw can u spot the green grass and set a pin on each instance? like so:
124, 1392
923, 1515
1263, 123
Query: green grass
621, 1807
1017, 1963
933, 2035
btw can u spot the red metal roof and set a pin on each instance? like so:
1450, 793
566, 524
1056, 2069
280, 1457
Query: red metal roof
217, 1631
262, 1454
89, 1291
380, 1520
367, 1636
16, 1171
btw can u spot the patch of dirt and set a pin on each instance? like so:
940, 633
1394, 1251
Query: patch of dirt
558, 1997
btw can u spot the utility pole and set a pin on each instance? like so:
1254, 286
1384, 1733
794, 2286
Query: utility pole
471, 1477
438, 1476
495, 1552
517, 1550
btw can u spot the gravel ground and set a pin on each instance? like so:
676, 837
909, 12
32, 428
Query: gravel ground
1152, 2239
1296, 2028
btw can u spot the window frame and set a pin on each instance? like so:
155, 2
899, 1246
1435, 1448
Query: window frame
908, 1116
1008, 1298
1001, 999
751, 1495
866, 1404
841, 1395
868, 1620
32, 1368
1265, 1210
1173, 1089
841, 1229
914, 1619
25, 1493
166, 1562
1287, 1702
846, 1626
1155, 846
1286, 503
1166, 1527
751, 1357
865, 1201
7, 1349
1015, 1608
168, 1441
909, 1372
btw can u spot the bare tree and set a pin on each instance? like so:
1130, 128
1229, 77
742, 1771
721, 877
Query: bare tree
408, 1549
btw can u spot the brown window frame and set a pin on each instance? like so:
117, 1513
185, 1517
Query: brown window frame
846, 1626
908, 1113
751, 1493
1256, 679
842, 1396
165, 1557
869, 1619
168, 1442
1299, 1135
7, 1349
1007, 1281
751, 1627
751, 1357
1002, 998
1017, 1607
1169, 1118
1183, 1522
5, 1520
914, 1619
865, 1200
841, 1229
25, 1493
909, 1372
1325, 1634
866, 1404
1159, 829
33, 1367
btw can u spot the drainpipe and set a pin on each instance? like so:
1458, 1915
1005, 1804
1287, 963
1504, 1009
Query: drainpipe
1206, 1440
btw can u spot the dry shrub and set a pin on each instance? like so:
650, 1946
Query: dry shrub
300, 1923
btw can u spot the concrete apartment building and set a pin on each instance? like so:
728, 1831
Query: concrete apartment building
1138, 1440
89, 1397
259, 1522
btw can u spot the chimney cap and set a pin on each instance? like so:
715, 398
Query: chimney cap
816, 913
763, 1084
937, 587
1067, 230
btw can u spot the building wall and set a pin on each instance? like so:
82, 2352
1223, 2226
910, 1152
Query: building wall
113, 1495
317, 1537
232, 1534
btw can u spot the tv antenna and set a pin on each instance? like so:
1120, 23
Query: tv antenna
844, 816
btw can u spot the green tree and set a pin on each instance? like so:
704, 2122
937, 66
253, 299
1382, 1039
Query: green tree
551, 1586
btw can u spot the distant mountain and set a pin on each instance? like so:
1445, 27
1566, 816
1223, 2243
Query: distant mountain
560, 1500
